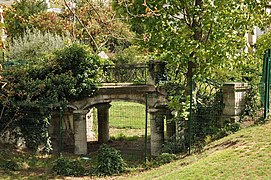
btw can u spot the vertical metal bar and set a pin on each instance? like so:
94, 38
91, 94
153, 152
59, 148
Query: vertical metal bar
268, 81
190, 114
146, 73
60, 133
267, 84
146, 127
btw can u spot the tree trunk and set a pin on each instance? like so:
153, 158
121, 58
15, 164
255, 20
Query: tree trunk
195, 26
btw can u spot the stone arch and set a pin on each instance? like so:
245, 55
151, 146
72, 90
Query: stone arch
157, 103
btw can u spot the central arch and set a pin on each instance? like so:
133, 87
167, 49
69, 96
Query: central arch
157, 105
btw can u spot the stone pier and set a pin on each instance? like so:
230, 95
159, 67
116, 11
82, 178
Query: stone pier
103, 122
234, 95
80, 134
157, 131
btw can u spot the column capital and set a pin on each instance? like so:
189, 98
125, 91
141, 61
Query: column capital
80, 111
103, 105
153, 110
156, 110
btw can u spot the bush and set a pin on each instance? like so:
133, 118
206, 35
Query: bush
164, 158
66, 167
35, 90
160, 160
35, 45
109, 161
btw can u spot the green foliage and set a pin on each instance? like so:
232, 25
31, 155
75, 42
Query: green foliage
109, 161
34, 91
209, 34
130, 55
123, 137
10, 165
18, 14
160, 160
164, 158
229, 128
84, 67
35, 46
263, 43
67, 167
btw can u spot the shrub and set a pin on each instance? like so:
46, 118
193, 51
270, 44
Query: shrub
164, 158
160, 160
66, 167
35, 90
35, 45
109, 161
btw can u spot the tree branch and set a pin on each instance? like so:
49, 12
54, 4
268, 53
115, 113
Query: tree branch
79, 20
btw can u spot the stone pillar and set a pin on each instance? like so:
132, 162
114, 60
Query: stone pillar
170, 125
103, 122
157, 72
80, 134
90, 129
157, 131
234, 101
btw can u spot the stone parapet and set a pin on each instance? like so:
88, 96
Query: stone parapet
234, 94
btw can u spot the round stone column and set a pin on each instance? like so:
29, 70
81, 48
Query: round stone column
103, 122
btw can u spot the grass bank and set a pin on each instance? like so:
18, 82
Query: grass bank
244, 155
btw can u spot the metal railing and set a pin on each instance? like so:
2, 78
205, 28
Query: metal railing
128, 73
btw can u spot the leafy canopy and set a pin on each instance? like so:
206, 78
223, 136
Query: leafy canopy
208, 34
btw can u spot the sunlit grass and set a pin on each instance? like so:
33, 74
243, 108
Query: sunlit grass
127, 115
244, 155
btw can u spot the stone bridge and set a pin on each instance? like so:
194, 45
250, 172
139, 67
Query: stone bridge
78, 119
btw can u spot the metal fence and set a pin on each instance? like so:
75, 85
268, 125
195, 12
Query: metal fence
125, 73
127, 129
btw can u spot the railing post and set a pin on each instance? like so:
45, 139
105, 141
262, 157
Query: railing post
157, 72
60, 132
190, 114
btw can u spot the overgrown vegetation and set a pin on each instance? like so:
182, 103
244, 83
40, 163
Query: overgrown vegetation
34, 90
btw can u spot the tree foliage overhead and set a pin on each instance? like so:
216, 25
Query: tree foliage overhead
18, 14
91, 22
199, 35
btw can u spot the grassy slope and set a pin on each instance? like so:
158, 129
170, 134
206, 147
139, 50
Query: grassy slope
244, 155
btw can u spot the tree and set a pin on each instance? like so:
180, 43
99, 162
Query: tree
195, 37
199, 39
18, 14
91, 22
